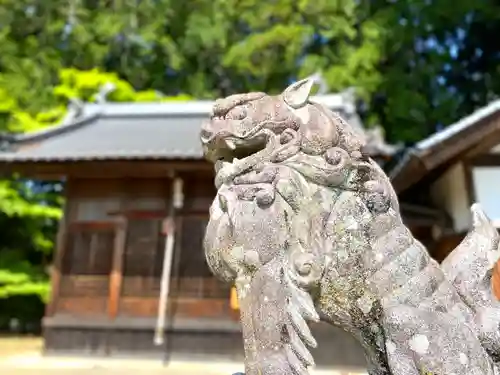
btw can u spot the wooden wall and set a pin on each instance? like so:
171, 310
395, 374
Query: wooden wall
111, 246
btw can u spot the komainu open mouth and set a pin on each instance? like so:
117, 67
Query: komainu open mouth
229, 148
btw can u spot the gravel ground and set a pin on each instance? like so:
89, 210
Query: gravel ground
130, 372
22, 357
44, 366
11, 371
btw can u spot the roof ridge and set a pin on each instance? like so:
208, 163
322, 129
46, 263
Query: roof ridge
462, 124
64, 126
99, 109
427, 146
199, 107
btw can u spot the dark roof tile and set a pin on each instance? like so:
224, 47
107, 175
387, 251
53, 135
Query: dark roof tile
117, 138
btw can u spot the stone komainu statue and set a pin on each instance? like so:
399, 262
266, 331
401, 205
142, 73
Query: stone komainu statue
308, 228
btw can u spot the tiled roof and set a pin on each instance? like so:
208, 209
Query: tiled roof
117, 131
459, 126
438, 144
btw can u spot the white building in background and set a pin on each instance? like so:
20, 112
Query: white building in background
453, 169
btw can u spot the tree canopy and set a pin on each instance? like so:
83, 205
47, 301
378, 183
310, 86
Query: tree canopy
415, 64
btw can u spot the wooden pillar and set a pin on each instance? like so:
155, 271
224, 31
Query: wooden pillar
116, 277
177, 257
57, 263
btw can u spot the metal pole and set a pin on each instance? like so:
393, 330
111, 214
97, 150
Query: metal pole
176, 203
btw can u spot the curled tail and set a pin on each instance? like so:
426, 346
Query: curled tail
471, 266
474, 270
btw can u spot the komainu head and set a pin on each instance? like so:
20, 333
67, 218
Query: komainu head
242, 124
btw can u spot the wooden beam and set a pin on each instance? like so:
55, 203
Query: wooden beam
90, 226
486, 144
485, 160
141, 214
469, 182
116, 277
463, 142
446, 152
201, 214
189, 324
412, 173
177, 262
57, 264
103, 168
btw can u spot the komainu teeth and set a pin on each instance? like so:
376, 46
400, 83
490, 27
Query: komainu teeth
230, 144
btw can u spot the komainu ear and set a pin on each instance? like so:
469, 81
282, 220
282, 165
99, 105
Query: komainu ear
297, 94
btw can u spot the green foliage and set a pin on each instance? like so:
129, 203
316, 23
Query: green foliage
439, 65
28, 223
200, 47
84, 85
12, 203
20, 277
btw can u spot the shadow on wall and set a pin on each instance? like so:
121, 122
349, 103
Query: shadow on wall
336, 348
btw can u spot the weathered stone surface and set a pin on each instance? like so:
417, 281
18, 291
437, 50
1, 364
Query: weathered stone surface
307, 227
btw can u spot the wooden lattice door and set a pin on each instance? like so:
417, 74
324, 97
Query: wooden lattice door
143, 258
86, 269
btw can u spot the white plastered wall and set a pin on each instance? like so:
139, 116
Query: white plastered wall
486, 183
450, 193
